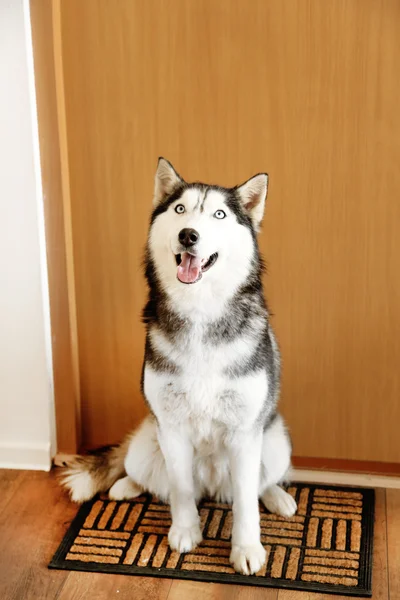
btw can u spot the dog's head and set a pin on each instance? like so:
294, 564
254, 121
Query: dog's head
203, 236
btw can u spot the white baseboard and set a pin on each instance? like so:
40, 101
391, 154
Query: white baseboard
35, 457
342, 478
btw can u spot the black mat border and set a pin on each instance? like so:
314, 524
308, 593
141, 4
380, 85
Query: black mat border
363, 589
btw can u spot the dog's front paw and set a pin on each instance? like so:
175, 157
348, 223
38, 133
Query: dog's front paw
248, 559
184, 539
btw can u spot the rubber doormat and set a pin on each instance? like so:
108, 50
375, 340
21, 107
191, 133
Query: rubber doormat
325, 547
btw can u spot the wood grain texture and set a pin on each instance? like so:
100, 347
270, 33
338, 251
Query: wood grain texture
393, 541
31, 526
193, 590
64, 347
293, 595
81, 586
9, 483
305, 90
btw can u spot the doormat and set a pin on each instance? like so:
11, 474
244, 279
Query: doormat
325, 547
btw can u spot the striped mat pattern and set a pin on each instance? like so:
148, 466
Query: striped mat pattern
325, 547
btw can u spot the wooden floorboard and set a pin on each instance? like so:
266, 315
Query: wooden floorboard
35, 514
393, 534
98, 586
10, 480
196, 590
32, 524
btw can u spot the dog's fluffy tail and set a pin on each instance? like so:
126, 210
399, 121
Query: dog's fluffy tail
85, 476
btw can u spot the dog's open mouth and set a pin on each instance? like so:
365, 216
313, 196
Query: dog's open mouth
191, 268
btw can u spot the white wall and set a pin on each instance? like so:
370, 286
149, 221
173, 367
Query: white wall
26, 398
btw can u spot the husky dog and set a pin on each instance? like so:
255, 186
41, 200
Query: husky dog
211, 372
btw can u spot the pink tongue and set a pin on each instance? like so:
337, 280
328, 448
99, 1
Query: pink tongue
189, 269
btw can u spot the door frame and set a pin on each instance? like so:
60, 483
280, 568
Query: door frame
47, 53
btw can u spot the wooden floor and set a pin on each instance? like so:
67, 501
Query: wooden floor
35, 513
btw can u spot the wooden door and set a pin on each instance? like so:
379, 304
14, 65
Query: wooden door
308, 90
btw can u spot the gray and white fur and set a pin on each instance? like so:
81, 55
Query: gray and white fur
211, 372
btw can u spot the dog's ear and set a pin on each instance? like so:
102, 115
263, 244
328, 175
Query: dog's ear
166, 181
253, 194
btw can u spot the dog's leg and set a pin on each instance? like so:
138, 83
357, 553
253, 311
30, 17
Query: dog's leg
276, 451
185, 532
248, 554
144, 464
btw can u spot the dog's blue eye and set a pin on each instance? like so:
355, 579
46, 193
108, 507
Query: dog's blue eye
179, 209
219, 214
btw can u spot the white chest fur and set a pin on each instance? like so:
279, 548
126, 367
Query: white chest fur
201, 395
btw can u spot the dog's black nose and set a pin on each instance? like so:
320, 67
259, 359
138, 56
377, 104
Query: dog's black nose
188, 237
